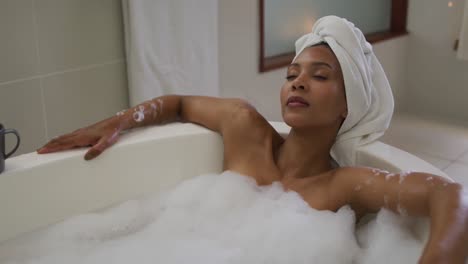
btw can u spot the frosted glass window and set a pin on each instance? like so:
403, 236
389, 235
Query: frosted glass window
287, 20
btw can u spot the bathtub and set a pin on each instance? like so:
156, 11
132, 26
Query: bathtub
38, 190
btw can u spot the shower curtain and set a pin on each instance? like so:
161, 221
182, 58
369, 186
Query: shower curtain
171, 47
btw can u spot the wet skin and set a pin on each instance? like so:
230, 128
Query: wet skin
313, 103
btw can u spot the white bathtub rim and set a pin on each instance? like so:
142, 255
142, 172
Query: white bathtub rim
396, 158
135, 136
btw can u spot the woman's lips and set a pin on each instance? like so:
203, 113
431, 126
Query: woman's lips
296, 101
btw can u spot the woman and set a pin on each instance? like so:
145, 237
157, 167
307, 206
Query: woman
316, 103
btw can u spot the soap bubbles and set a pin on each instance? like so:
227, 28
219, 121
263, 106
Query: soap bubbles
219, 219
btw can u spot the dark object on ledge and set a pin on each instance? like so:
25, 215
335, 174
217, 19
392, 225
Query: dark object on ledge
3, 155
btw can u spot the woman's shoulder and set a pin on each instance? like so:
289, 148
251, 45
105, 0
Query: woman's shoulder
246, 121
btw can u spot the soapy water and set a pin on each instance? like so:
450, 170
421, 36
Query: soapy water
139, 114
218, 219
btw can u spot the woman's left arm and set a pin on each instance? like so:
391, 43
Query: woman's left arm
448, 210
414, 194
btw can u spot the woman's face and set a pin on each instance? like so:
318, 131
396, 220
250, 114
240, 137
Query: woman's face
313, 94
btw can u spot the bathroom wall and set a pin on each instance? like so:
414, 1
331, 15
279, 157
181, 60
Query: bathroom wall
437, 83
61, 66
238, 59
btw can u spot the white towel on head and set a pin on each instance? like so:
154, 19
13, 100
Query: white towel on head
368, 93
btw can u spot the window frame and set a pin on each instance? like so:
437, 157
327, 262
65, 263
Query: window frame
398, 20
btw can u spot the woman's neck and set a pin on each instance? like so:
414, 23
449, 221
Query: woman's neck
305, 152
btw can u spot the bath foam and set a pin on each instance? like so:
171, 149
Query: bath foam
223, 218
390, 238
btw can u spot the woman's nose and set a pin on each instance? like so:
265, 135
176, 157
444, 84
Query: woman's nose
298, 87
298, 84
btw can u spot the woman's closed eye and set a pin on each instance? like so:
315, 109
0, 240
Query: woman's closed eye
320, 77
291, 77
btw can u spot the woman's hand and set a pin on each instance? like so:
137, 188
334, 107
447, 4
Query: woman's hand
99, 136
105, 133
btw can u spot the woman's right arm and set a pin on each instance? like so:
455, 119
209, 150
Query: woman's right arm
213, 113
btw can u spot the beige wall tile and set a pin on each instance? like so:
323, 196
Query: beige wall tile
458, 172
394, 65
74, 33
437, 80
18, 57
21, 109
436, 161
416, 135
80, 98
464, 159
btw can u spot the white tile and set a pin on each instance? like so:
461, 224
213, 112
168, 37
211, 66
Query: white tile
416, 135
436, 161
18, 57
76, 33
464, 158
21, 109
401, 141
458, 172
80, 98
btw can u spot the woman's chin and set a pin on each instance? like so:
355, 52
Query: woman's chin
295, 121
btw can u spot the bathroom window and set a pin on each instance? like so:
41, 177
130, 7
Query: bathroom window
282, 22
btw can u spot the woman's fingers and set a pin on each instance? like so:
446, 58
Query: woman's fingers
93, 152
54, 144
53, 147
102, 145
97, 149
82, 138
66, 142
